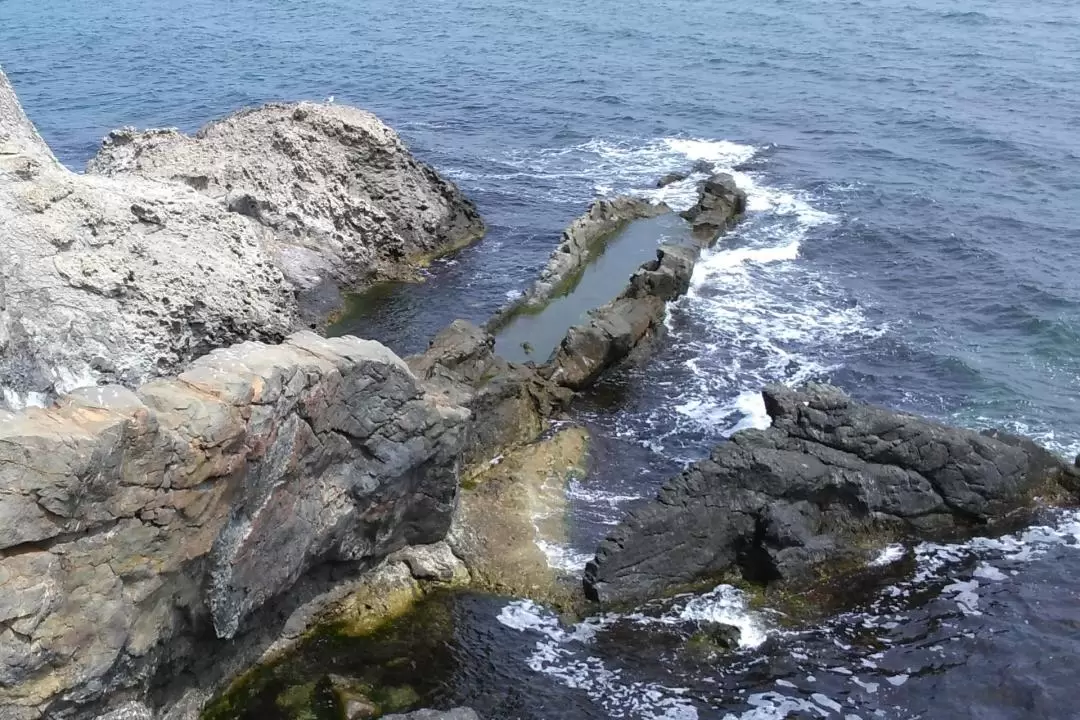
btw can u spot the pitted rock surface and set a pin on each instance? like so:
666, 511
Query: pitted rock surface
342, 195
175, 246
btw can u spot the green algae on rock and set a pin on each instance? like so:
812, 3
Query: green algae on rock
391, 666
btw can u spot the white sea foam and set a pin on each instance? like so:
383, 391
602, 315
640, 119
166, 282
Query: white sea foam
889, 555
563, 557
610, 166
726, 604
64, 380
20, 401
562, 654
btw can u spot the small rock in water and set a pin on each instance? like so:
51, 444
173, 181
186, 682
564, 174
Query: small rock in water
671, 178
703, 166
713, 639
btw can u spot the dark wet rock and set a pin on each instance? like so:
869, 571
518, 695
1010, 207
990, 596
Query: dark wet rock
710, 641
610, 335
667, 277
720, 635
671, 178
720, 203
829, 482
509, 402
703, 167
580, 243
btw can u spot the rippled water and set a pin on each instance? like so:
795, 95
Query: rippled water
914, 175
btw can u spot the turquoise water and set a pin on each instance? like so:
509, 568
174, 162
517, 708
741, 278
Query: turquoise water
913, 169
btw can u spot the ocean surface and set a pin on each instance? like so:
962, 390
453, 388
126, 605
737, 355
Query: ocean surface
913, 168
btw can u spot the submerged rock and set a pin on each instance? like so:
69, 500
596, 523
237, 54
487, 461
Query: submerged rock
455, 714
830, 481
173, 245
511, 519
342, 195
135, 524
671, 178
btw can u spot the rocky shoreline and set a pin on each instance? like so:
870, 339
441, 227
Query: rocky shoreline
170, 246
206, 482
260, 479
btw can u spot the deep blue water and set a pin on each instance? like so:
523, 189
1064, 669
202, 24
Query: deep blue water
914, 168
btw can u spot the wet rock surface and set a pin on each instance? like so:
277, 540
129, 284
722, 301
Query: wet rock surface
721, 201
510, 403
613, 332
830, 481
137, 524
455, 714
513, 508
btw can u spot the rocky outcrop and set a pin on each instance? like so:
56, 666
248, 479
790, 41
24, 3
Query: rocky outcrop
342, 195
174, 246
581, 242
671, 178
613, 332
118, 279
719, 204
620, 329
138, 526
510, 403
831, 480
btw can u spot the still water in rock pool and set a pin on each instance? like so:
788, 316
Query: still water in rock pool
913, 170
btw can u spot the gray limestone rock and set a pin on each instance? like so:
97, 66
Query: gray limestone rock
339, 191
830, 475
173, 246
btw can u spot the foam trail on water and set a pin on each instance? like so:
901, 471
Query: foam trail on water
562, 654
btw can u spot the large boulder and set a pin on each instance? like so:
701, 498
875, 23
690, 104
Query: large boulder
137, 527
118, 279
173, 245
831, 480
342, 195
